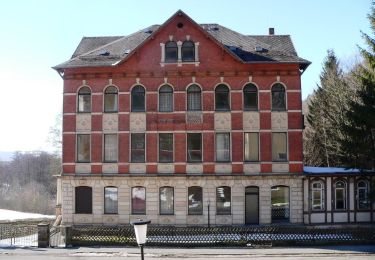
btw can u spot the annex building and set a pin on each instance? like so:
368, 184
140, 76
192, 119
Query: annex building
183, 123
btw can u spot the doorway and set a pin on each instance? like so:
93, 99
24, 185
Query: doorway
251, 205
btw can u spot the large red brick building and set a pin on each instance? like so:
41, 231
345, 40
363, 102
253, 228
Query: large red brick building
177, 119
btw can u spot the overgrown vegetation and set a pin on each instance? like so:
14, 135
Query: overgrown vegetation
27, 182
341, 118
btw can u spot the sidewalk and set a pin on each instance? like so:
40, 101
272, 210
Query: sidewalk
355, 252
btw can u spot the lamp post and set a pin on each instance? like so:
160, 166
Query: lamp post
140, 228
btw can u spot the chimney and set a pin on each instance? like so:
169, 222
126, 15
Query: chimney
271, 31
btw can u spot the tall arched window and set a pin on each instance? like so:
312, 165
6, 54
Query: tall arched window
280, 204
250, 97
171, 51
84, 100
166, 99
110, 99
340, 195
110, 200
138, 200
278, 97
363, 201
195, 200
138, 99
222, 97
166, 200
194, 102
317, 195
223, 200
188, 51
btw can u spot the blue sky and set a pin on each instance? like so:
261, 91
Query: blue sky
38, 34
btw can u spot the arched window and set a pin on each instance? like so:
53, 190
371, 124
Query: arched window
138, 99
188, 51
280, 204
166, 199
223, 200
110, 99
166, 99
340, 195
110, 200
83, 200
171, 51
222, 97
138, 200
84, 100
317, 195
194, 102
363, 201
278, 97
195, 200
250, 97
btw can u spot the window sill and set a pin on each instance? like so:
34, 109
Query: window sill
180, 63
109, 214
110, 112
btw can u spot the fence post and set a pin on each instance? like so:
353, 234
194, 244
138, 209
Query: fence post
43, 235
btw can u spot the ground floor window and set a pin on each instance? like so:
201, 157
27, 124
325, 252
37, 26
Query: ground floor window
195, 200
340, 195
166, 200
138, 200
83, 200
223, 200
110, 200
317, 195
363, 201
280, 204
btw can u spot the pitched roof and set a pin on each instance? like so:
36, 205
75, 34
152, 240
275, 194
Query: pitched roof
110, 51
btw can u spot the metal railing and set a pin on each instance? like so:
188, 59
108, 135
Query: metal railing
232, 236
18, 235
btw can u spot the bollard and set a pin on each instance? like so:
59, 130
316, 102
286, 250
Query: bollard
43, 235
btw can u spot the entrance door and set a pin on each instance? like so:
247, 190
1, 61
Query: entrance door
251, 205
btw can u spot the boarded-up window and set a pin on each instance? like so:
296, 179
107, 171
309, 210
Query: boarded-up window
110, 148
279, 147
83, 148
251, 147
83, 200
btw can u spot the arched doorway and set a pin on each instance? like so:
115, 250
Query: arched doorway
251, 205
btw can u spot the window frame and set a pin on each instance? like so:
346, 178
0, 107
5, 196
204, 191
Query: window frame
104, 148
201, 202
322, 192
257, 147
164, 95
281, 108
286, 147
188, 151
190, 98
366, 192
246, 92
78, 148
192, 49
132, 160
218, 91
229, 148
134, 91
221, 211
345, 193
160, 201
78, 203
105, 204
79, 95
109, 94
286, 218
132, 204
168, 59
171, 160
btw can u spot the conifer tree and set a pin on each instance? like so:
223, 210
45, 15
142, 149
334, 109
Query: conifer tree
359, 139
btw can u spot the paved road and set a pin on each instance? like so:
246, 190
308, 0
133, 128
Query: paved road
113, 253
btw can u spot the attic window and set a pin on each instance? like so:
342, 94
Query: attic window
104, 53
180, 25
148, 31
127, 51
259, 49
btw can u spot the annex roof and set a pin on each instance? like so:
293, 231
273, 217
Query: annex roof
309, 170
110, 51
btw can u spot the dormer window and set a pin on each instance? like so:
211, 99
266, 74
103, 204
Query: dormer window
171, 51
188, 51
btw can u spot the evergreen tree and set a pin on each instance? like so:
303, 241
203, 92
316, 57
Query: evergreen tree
326, 116
359, 139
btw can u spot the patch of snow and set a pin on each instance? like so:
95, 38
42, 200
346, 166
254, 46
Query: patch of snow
26, 241
309, 169
11, 215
